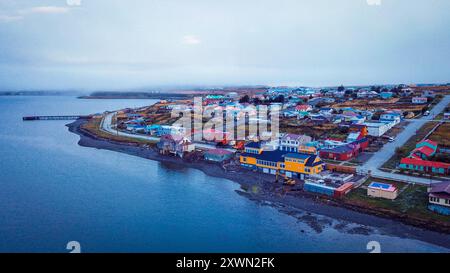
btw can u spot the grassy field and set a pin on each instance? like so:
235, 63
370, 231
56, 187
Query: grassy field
412, 201
93, 126
442, 135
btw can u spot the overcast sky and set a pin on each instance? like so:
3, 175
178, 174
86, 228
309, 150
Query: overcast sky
120, 44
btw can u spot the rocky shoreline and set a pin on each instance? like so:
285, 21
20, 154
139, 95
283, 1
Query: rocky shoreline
314, 211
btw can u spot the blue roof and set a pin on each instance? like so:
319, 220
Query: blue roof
379, 185
297, 155
273, 156
253, 144
339, 149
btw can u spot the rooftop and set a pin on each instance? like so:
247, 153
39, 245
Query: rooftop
382, 186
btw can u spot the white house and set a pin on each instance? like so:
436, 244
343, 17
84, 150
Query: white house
391, 117
291, 142
377, 129
419, 100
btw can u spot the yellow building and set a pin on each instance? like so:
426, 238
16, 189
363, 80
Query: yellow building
291, 164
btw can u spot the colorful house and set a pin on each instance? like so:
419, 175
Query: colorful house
152, 129
291, 142
424, 149
303, 108
386, 95
377, 129
391, 117
344, 152
439, 198
280, 161
419, 100
361, 128
417, 160
425, 166
169, 144
348, 151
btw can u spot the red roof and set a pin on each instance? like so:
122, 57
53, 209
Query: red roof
425, 163
433, 143
303, 107
424, 150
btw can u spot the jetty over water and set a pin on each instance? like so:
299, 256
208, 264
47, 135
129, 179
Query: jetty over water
73, 117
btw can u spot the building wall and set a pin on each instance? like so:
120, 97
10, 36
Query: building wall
318, 188
382, 194
425, 169
377, 131
247, 160
439, 201
297, 167
439, 209
336, 156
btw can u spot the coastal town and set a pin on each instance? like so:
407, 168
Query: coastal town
383, 150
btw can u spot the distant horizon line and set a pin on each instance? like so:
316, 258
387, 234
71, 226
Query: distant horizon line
174, 88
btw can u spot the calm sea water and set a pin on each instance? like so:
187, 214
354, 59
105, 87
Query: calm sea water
53, 191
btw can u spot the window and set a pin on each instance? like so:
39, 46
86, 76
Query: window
434, 199
307, 170
244, 159
447, 201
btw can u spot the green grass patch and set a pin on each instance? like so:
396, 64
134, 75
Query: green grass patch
413, 200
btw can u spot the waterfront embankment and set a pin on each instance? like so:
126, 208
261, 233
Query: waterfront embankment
261, 188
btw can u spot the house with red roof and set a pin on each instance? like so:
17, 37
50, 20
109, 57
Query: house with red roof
303, 108
419, 161
425, 166
425, 149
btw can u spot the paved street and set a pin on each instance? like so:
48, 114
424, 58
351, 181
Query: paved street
106, 126
388, 150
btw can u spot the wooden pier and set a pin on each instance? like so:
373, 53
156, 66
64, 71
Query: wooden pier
74, 117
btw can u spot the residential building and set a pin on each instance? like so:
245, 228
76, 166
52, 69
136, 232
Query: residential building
345, 152
425, 166
280, 162
391, 117
303, 108
382, 190
424, 149
419, 100
291, 142
439, 198
168, 130
386, 95
377, 129
428, 94
177, 145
